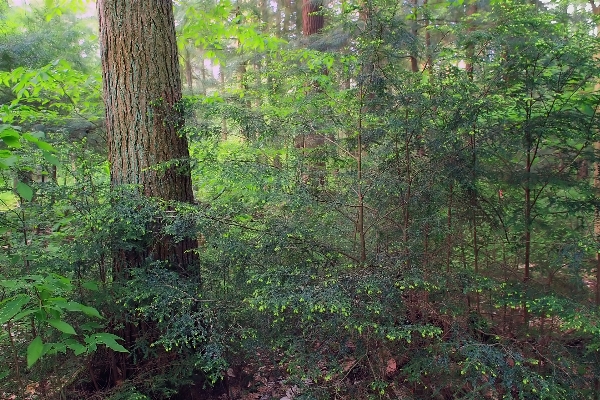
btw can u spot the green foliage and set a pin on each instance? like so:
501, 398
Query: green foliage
30, 39
42, 301
383, 259
209, 25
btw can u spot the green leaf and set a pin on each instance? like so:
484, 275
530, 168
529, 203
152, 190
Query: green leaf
52, 159
45, 146
62, 326
8, 159
25, 191
10, 283
107, 339
90, 326
54, 348
91, 312
34, 137
12, 306
588, 110
10, 137
75, 306
30, 138
77, 347
23, 314
34, 351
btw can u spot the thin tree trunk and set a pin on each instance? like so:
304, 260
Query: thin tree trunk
596, 10
414, 63
408, 194
203, 76
471, 9
360, 225
223, 119
449, 241
527, 216
189, 75
429, 63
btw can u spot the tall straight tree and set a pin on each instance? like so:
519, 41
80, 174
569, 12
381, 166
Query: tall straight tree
313, 20
596, 11
142, 90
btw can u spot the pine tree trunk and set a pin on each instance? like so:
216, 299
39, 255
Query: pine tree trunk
312, 18
596, 10
142, 91
414, 30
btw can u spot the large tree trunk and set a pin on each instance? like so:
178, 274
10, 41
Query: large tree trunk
142, 91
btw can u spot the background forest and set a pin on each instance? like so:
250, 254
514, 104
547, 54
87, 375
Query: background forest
393, 200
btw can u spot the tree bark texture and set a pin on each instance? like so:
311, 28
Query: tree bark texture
312, 23
142, 91
142, 88
313, 20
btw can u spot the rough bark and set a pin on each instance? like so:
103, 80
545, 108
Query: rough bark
313, 20
142, 91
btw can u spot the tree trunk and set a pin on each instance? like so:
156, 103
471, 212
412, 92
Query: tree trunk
189, 73
596, 10
313, 20
223, 119
471, 9
414, 30
142, 91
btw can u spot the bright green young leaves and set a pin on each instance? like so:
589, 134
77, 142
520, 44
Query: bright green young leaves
211, 27
58, 89
43, 298
55, 8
